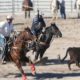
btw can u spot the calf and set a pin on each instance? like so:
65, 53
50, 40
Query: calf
74, 53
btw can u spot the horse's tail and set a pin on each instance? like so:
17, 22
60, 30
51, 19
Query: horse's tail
65, 55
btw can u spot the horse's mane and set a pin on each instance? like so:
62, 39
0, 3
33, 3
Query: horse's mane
55, 26
48, 29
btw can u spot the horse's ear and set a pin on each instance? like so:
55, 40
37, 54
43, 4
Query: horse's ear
27, 28
53, 24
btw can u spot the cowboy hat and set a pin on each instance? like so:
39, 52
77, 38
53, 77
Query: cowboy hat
9, 17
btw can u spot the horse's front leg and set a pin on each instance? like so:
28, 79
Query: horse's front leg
18, 64
33, 69
31, 65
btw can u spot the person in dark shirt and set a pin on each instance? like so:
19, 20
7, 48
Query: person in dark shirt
38, 24
62, 9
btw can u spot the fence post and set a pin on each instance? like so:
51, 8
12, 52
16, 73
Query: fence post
71, 6
13, 7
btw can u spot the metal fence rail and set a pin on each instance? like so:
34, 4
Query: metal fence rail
15, 7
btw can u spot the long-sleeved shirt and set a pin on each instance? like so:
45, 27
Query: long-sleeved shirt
36, 21
6, 28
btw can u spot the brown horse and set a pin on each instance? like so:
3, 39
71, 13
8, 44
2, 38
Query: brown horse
17, 51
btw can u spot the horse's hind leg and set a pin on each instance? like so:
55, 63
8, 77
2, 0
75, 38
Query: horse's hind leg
18, 64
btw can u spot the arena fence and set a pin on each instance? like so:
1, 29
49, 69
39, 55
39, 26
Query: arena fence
15, 7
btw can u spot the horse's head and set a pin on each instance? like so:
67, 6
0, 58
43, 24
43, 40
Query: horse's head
28, 34
51, 31
55, 30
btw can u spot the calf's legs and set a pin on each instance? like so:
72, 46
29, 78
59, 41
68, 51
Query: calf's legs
73, 61
69, 64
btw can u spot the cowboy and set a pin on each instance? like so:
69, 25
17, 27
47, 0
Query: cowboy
38, 24
6, 28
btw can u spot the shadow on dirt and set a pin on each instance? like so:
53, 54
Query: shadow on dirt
56, 61
51, 62
42, 76
56, 75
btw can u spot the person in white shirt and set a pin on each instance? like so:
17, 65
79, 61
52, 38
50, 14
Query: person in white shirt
54, 9
78, 7
6, 28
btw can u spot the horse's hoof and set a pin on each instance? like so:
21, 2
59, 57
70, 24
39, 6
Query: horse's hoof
33, 69
33, 73
24, 77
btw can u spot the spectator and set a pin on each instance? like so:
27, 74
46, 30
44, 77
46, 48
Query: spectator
62, 9
6, 28
54, 8
78, 7
27, 6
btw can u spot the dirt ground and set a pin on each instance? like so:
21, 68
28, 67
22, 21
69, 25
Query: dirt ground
53, 69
